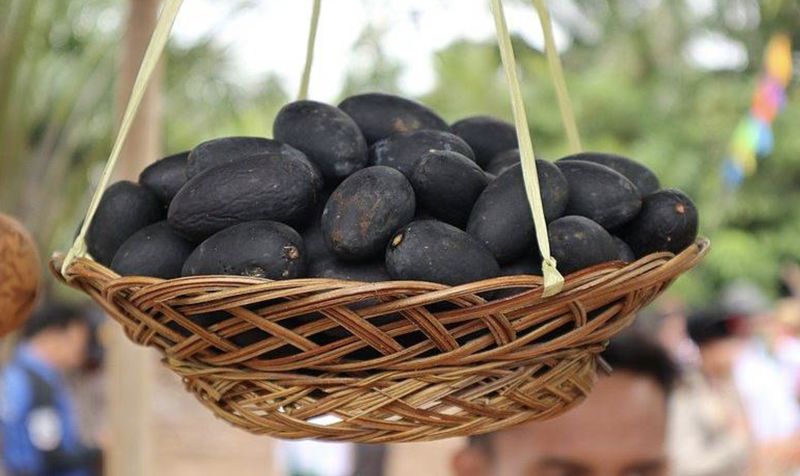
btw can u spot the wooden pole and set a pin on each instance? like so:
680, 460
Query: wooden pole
130, 368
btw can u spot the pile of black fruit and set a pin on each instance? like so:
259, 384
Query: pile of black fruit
380, 188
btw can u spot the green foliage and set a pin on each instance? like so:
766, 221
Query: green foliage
632, 86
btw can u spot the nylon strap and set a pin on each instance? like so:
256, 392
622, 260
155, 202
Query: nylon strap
553, 281
557, 74
312, 38
151, 56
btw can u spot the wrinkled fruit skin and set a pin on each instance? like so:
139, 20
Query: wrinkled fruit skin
488, 136
124, 209
434, 251
644, 178
577, 242
328, 137
262, 249
447, 185
19, 274
381, 115
502, 219
667, 222
252, 188
365, 210
403, 151
155, 251
165, 176
600, 193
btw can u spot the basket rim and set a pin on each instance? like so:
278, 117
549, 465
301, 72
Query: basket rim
699, 248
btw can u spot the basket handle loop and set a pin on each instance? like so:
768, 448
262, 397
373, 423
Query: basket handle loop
553, 281
312, 38
557, 74
151, 56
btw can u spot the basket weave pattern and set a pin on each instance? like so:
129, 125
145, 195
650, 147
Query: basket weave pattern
381, 362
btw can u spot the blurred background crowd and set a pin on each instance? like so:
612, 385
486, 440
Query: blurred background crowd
695, 89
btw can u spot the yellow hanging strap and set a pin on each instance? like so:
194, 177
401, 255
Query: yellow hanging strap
557, 73
553, 281
151, 56
312, 38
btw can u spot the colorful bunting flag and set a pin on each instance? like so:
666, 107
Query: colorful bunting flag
753, 138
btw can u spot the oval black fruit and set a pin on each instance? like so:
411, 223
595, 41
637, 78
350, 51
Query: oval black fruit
252, 188
365, 210
124, 209
644, 178
527, 265
312, 234
155, 251
502, 162
600, 193
624, 252
434, 251
577, 242
380, 115
166, 176
369, 272
224, 150
488, 136
403, 151
263, 249
501, 218
667, 222
328, 136
447, 185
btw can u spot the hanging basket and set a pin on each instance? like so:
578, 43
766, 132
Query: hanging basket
388, 361
408, 361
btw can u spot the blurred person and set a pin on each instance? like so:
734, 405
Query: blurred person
619, 430
709, 433
38, 427
768, 396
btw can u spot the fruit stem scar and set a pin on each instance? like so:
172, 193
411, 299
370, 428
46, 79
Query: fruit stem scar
680, 208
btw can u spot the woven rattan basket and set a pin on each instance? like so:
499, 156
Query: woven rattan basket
447, 363
389, 361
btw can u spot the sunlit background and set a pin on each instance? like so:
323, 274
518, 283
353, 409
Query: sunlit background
665, 82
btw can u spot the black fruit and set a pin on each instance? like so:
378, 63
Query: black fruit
501, 218
502, 162
224, 150
328, 136
624, 252
165, 177
600, 193
312, 234
154, 251
447, 185
381, 115
365, 210
667, 222
370, 271
644, 178
434, 251
253, 188
402, 151
577, 242
263, 249
124, 209
488, 136
527, 265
